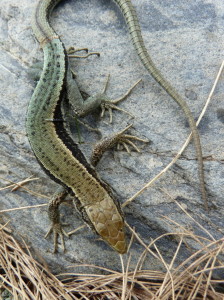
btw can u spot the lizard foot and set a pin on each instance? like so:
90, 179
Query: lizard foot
54, 215
72, 50
118, 139
58, 231
111, 104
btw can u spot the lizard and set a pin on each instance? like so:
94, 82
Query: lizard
53, 146
131, 19
56, 151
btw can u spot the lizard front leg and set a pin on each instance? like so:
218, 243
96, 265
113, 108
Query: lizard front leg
119, 138
83, 107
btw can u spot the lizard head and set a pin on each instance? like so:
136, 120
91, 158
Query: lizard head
107, 220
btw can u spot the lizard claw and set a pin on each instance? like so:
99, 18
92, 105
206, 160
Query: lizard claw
57, 230
109, 105
112, 104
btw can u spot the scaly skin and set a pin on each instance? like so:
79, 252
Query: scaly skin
54, 149
135, 31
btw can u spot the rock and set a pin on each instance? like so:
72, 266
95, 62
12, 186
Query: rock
185, 41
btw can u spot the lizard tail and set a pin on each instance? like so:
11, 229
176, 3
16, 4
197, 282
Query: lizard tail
135, 31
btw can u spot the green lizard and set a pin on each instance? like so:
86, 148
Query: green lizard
56, 151
135, 31
52, 144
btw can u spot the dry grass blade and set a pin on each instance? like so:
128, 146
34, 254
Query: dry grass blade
16, 185
23, 207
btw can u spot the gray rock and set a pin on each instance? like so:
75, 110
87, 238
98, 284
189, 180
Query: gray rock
186, 42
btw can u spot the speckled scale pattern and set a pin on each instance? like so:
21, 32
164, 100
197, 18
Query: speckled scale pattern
66, 164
